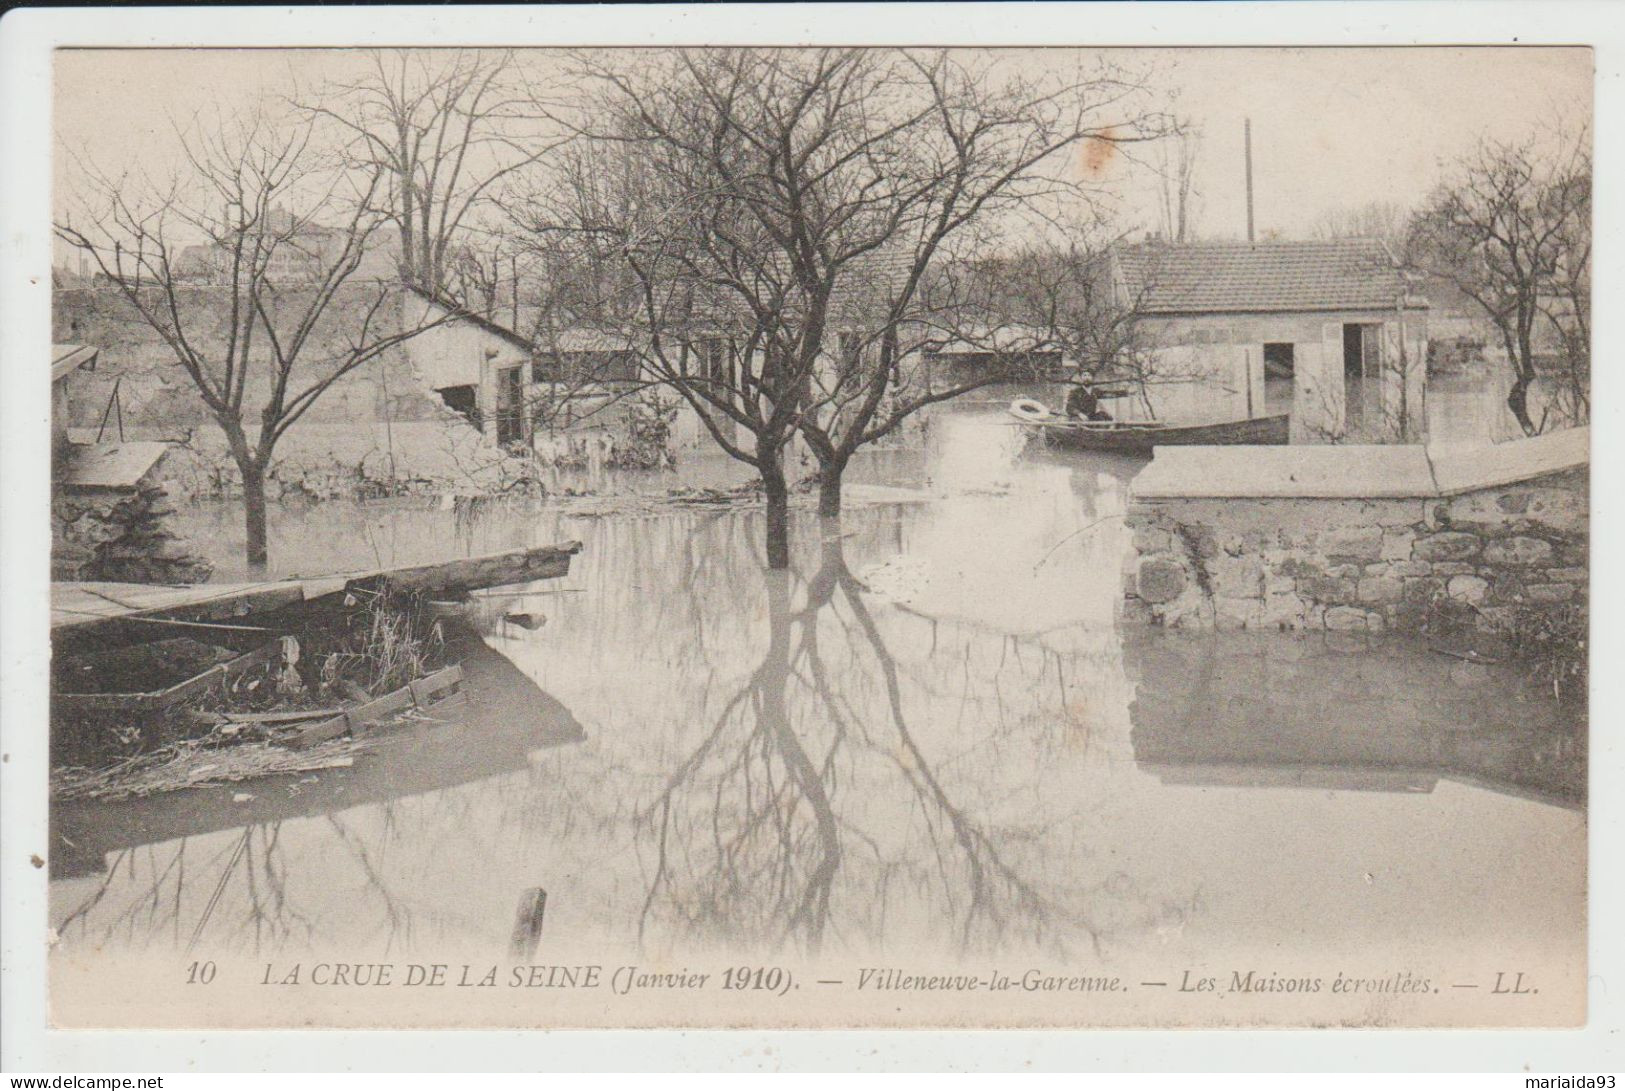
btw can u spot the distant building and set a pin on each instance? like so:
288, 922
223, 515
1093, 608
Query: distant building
1330, 332
301, 251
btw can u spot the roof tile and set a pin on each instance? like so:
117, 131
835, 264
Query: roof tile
1206, 278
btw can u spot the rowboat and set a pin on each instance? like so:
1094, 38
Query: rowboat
1139, 437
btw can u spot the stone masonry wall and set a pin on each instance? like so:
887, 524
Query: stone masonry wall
124, 535
1377, 564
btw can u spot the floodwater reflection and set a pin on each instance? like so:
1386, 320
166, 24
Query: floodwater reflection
932, 735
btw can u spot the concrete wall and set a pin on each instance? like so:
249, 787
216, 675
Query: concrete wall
380, 428
1374, 546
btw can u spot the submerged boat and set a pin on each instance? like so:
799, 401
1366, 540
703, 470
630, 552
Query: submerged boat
1139, 437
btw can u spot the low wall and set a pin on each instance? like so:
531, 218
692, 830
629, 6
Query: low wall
1359, 538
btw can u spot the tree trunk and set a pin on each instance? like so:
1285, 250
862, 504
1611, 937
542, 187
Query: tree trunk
778, 516
1524, 365
257, 552
829, 488
1518, 402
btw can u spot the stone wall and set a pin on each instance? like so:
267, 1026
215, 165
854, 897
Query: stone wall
1338, 562
156, 393
123, 535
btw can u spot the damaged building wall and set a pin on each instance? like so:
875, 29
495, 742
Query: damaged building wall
375, 429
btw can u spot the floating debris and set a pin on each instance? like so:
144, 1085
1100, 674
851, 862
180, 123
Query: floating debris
208, 760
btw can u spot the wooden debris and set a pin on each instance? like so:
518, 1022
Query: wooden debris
219, 674
326, 730
473, 573
197, 762
281, 716
80, 604
439, 692
382, 707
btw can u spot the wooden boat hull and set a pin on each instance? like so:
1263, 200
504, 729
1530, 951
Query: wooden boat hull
1129, 439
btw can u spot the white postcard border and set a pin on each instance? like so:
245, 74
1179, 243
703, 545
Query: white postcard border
26, 40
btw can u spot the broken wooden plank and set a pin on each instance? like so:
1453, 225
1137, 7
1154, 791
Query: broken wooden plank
474, 573
75, 604
250, 659
381, 707
290, 715
312, 734
217, 675
437, 686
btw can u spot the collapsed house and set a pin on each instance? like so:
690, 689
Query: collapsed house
525, 393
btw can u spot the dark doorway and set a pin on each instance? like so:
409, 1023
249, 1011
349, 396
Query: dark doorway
1359, 367
1353, 351
510, 406
1280, 370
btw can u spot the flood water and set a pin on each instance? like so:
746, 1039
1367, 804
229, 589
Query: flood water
933, 737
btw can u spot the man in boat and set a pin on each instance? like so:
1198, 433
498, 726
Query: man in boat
1082, 403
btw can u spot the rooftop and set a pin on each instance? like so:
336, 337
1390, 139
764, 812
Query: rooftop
458, 311
66, 359
1216, 278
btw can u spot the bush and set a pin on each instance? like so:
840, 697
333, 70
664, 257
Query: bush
647, 445
1553, 645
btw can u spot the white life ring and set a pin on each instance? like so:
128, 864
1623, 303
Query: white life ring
1028, 410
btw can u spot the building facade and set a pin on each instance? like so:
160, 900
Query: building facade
1328, 332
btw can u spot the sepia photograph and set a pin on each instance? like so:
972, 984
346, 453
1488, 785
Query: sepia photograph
832, 536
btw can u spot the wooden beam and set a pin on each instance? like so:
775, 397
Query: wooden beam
474, 573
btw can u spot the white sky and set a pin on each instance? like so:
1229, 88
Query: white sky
1332, 128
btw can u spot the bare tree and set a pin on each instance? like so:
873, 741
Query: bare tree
279, 235
1512, 231
789, 208
1566, 302
444, 130
1385, 220
1063, 298
1176, 174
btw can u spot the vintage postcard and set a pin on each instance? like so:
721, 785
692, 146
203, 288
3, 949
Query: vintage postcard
884, 537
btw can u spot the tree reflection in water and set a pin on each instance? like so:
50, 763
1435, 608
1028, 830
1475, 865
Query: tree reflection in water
772, 762
838, 762
812, 767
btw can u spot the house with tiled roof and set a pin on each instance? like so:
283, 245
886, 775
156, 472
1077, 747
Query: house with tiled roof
1330, 332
